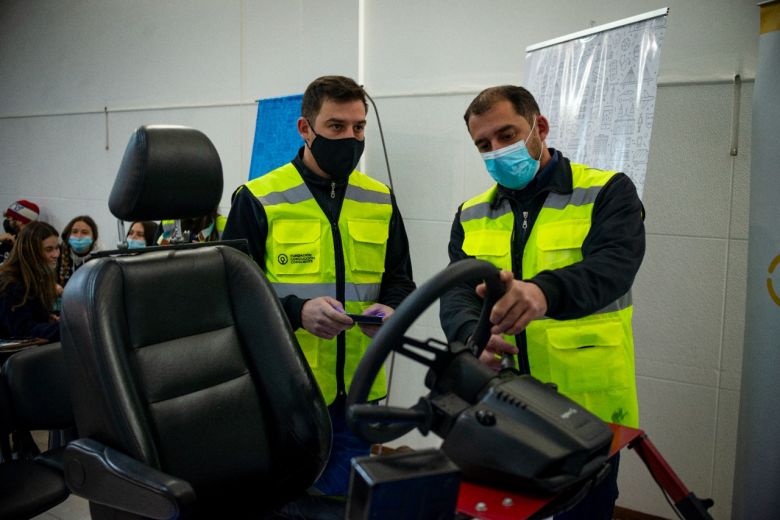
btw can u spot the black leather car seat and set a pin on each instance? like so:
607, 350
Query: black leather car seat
191, 395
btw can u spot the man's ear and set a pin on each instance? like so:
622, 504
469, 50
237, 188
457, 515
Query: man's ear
304, 128
543, 125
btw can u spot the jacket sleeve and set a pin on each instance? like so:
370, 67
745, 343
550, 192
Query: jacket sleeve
612, 253
247, 220
397, 280
460, 306
26, 321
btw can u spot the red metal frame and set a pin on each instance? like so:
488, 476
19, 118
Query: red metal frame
659, 469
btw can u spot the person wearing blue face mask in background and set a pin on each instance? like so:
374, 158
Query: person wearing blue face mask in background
569, 240
141, 234
79, 241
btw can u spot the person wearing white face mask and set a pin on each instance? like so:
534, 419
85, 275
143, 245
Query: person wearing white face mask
569, 240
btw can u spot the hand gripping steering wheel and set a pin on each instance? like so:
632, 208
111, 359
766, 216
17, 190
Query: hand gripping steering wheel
384, 423
529, 435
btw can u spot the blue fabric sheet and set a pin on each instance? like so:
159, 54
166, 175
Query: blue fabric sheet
276, 136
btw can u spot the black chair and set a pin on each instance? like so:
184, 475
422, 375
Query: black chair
33, 396
191, 395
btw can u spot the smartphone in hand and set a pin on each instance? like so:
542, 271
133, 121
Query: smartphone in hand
366, 319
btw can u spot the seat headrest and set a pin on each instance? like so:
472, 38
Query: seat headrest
167, 172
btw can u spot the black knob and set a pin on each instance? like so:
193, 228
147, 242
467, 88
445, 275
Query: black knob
486, 417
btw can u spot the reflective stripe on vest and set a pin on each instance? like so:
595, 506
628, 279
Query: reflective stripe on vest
300, 260
365, 292
591, 359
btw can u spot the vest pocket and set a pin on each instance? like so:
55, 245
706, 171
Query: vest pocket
295, 246
589, 356
367, 244
560, 243
493, 245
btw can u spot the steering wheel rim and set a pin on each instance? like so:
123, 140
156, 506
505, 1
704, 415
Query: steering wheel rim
391, 335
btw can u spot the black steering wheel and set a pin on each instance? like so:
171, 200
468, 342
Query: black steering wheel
384, 423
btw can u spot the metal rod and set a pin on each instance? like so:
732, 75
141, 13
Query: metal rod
735, 115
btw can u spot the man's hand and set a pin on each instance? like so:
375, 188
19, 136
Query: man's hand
521, 303
495, 348
375, 310
324, 317
4, 237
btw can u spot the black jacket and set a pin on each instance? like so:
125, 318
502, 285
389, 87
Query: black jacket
31, 320
612, 251
247, 219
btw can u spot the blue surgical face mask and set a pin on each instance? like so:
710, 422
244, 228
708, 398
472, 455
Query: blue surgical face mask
80, 245
512, 166
206, 231
135, 244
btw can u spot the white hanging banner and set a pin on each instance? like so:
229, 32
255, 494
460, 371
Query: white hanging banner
756, 475
597, 87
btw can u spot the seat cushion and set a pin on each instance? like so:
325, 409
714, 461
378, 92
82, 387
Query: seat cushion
28, 489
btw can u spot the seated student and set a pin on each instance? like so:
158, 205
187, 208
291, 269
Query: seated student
28, 288
79, 241
208, 228
141, 234
18, 215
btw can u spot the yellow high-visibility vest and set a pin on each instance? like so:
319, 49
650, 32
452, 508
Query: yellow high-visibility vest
220, 223
590, 359
300, 259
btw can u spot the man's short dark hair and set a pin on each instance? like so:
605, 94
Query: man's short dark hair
338, 88
522, 100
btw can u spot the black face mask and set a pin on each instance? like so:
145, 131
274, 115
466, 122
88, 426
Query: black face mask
336, 157
7, 227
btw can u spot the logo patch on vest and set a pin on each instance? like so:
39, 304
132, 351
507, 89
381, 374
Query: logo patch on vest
619, 415
302, 258
297, 258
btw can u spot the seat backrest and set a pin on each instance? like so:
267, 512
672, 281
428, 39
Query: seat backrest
183, 359
33, 396
38, 387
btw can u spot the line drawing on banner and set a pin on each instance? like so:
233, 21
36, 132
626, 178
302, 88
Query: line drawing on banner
598, 89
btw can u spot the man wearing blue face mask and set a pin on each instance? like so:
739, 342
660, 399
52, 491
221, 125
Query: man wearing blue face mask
331, 241
569, 240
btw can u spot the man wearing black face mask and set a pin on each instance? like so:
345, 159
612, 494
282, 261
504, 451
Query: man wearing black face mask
331, 241
18, 215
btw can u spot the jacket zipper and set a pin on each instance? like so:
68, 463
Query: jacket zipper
523, 365
341, 340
